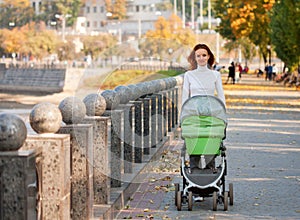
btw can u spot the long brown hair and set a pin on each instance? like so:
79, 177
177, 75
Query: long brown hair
192, 59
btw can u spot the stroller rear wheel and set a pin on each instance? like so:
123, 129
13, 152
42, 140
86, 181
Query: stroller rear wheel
179, 205
230, 193
215, 201
190, 201
177, 187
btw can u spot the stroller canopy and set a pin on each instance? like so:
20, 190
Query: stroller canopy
203, 122
203, 105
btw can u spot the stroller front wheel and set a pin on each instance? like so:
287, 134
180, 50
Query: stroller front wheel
215, 201
231, 193
179, 201
225, 201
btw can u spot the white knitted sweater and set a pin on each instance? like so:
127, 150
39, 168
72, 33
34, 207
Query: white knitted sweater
202, 81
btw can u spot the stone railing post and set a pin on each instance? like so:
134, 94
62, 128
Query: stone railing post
165, 112
160, 117
18, 180
18, 186
154, 120
101, 146
128, 136
138, 131
146, 125
52, 165
116, 151
73, 111
82, 195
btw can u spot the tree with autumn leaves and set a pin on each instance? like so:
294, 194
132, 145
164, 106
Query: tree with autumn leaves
28, 35
29, 40
167, 37
264, 23
117, 8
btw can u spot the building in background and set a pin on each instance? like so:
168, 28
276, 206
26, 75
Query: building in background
141, 16
95, 19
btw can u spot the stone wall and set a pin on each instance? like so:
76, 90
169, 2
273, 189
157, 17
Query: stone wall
32, 80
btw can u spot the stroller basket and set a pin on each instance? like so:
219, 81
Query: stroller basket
203, 134
203, 124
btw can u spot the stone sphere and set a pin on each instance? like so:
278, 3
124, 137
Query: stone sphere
162, 85
156, 85
45, 118
73, 110
13, 132
95, 104
144, 89
168, 83
124, 93
112, 99
135, 91
151, 87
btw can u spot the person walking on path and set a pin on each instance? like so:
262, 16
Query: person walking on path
269, 72
274, 71
231, 73
202, 80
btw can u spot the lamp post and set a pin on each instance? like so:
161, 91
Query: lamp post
183, 13
269, 52
209, 15
170, 51
11, 24
201, 13
257, 52
193, 15
175, 7
117, 27
218, 42
157, 13
63, 18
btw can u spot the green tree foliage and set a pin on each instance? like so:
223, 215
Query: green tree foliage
15, 13
241, 19
285, 35
60, 7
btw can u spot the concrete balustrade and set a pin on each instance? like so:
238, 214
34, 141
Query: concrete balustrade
89, 166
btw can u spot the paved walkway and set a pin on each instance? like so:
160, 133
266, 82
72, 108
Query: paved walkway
263, 142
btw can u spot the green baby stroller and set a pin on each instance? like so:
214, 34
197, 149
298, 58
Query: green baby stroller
203, 123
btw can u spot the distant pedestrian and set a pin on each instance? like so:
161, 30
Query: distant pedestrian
238, 72
266, 71
270, 72
259, 72
246, 69
274, 71
231, 73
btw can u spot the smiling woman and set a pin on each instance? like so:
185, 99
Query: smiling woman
201, 79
